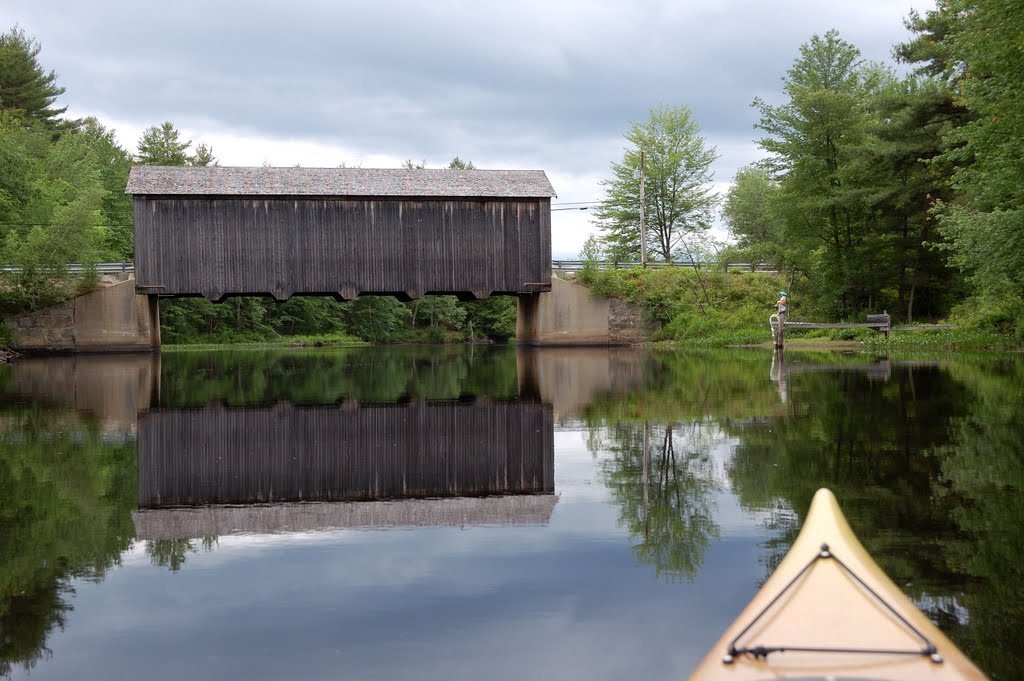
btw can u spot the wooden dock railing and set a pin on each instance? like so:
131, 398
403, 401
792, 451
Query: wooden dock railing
881, 322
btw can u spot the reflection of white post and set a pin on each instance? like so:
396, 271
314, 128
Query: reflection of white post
647, 459
778, 374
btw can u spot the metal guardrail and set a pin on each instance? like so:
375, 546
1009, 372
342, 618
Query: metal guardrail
577, 265
77, 268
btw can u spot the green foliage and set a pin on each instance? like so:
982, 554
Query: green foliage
858, 159
929, 47
378, 318
305, 320
55, 207
753, 218
493, 318
993, 312
305, 315
811, 140
442, 312
677, 192
266, 376
696, 307
238, 319
162, 146
203, 156
65, 514
974, 47
25, 88
458, 164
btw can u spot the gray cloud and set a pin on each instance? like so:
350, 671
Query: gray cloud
531, 84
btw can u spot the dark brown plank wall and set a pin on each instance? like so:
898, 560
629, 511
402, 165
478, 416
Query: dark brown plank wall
219, 455
216, 245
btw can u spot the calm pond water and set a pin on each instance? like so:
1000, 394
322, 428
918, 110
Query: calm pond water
482, 512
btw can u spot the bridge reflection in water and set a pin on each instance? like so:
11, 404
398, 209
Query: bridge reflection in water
354, 438
420, 463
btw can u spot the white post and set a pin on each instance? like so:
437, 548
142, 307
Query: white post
643, 209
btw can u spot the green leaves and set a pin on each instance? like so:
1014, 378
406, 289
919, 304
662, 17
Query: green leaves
55, 205
676, 172
162, 146
986, 221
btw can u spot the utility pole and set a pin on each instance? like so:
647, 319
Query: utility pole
643, 225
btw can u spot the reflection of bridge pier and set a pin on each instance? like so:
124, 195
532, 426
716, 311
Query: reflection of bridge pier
570, 378
208, 469
114, 389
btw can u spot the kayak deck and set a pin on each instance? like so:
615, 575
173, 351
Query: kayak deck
828, 611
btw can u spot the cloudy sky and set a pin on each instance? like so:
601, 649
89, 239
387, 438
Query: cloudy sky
516, 84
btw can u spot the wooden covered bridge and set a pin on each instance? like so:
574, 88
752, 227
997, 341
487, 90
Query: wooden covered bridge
345, 232
219, 231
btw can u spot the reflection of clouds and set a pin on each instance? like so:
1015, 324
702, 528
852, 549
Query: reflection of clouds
575, 483
938, 607
567, 609
576, 478
561, 600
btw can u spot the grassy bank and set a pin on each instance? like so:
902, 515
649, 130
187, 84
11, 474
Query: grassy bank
696, 308
335, 340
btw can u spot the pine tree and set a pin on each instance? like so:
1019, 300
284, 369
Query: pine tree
24, 86
162, 146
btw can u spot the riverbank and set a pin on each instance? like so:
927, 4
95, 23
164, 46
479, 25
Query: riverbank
709, 309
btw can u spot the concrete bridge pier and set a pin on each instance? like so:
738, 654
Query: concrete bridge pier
571, 315
113, 318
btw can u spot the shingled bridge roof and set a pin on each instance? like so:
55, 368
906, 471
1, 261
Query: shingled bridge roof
264, 181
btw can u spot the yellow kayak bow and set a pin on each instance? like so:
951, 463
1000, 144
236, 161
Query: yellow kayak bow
829, 612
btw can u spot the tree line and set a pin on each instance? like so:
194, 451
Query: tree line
62, 201
877, 190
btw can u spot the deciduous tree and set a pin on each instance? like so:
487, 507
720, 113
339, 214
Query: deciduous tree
810, 140
752, 217
677, 177
986, 223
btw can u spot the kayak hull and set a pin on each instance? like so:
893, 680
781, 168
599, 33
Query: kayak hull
829, 612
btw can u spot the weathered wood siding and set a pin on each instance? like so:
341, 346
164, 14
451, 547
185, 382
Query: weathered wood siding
216, 246
219, 455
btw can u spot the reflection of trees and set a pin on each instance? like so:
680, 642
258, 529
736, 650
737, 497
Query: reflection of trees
171, 553
663, 478
323, 377
983, 470
929, 469
64, 514
870, 442
927, 462
26, 619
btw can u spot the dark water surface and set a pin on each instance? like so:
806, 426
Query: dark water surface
465, 513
